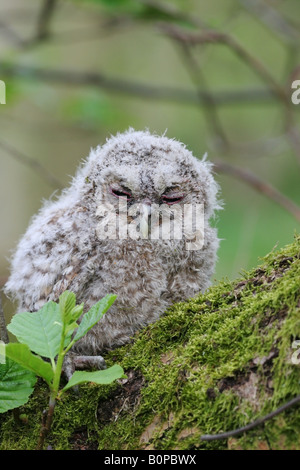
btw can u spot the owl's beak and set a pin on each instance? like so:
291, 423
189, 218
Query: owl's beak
144, 217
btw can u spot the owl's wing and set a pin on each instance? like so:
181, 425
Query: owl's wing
52, 256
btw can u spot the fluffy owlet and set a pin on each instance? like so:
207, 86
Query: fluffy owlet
74, 242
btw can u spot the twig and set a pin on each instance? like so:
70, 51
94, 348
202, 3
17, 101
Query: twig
254, 424
171, 11
282, 93
31, 163
11, 34
42, 29
62, 38
209, 105
260, 185
265, 13
262, 147
44, 19
215, 37
293, 136
3, 330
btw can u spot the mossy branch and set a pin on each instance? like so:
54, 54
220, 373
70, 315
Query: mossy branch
214, 363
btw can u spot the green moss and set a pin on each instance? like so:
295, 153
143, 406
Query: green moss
211, 364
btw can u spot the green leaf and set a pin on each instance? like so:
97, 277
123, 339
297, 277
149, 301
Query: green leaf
77, 312
16, 385
67, 302
94, 315
21, 354
100, 377
41, 330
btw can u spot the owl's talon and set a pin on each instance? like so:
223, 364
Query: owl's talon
89, 362
69, 366
73, 361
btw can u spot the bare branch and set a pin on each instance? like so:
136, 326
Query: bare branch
281, 93
171, 11
209, 105
99, 80
254, 424
215, 37
275, 21
42, 29
258, 184
10, 34
31, 163
44, 19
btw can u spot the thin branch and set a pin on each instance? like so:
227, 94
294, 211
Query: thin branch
292, 133
11, 35
282, 93
261, 186
188, 39
261, 148
275, 21
3, 330
137, 89
171, 11
209, 106
33, 164
215, 37
254, 424
44, 19
99, 31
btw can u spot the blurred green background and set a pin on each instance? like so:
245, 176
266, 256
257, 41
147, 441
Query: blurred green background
131, 43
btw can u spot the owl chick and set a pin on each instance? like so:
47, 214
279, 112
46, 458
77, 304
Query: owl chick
65, 247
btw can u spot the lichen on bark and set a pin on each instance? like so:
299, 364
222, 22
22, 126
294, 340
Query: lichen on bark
211, 364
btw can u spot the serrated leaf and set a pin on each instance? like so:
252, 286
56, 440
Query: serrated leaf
94, 315
21, 354
100, 377
16, 385
41, 330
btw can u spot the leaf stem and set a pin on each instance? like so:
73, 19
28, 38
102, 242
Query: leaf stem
57, 369
47, 426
